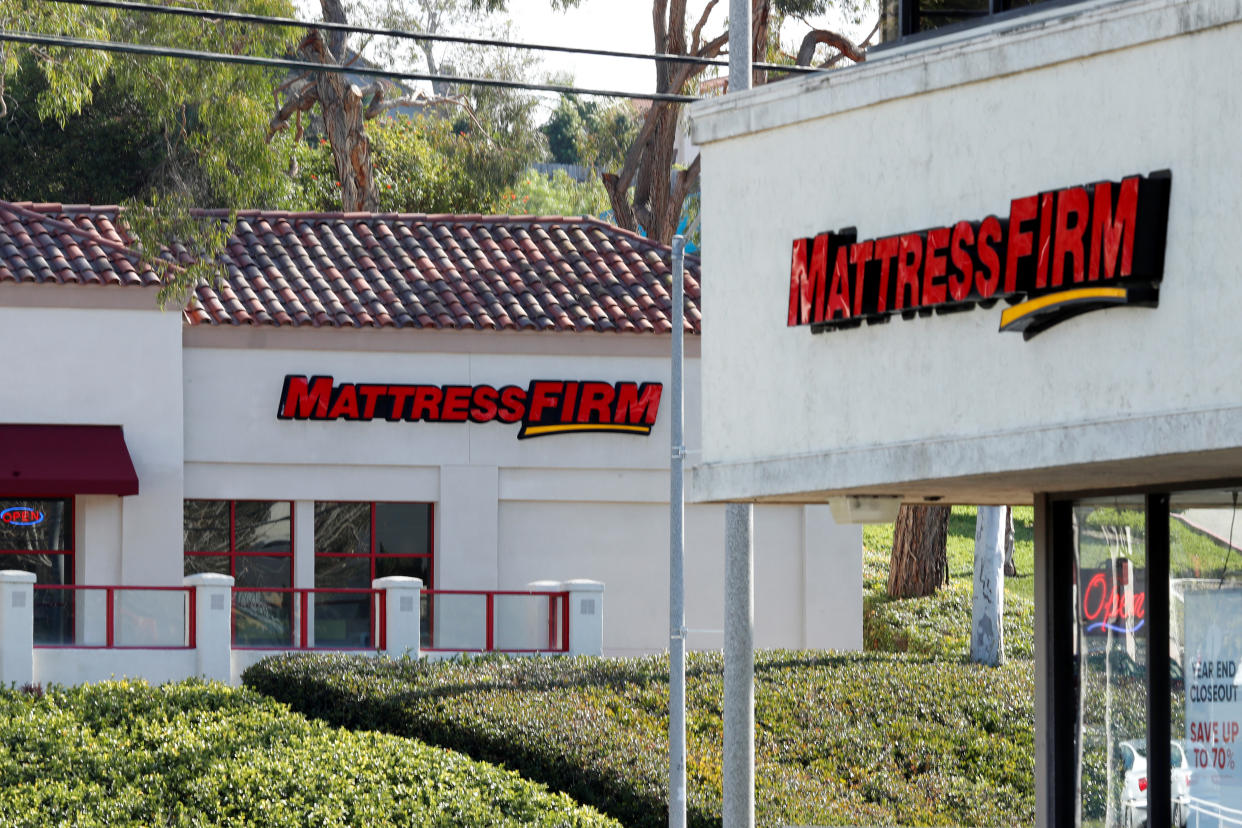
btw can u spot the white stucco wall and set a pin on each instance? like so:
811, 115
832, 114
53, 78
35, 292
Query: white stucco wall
943, 131
512, 511
107, 366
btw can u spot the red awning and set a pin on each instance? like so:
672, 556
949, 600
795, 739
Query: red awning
59, 460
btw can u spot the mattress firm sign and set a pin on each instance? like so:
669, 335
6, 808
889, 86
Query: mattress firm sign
543, 407
1057, 255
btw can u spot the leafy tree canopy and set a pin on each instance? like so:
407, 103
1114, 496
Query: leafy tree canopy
421, 165
199, 127
585, 131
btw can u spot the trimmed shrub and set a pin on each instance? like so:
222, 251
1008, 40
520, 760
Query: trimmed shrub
841, 739
124, 753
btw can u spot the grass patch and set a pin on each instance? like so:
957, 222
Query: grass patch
857, 739
191, 754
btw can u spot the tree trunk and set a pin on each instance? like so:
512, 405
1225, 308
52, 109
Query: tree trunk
341, 104
920, 562
987, 639
1011, 568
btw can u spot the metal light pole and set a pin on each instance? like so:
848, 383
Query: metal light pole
739, 644
677, 538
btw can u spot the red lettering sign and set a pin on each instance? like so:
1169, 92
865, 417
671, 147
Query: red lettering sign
1062, 241
544, 407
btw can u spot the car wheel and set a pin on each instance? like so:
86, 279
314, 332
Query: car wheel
1179, 819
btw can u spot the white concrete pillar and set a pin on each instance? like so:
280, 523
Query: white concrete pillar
586, 616
831, 555
16, 627
304, 566
402, 615
213, 624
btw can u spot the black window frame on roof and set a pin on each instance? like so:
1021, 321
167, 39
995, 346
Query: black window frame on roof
911, 13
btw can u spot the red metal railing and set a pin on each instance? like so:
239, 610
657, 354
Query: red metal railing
455, 623
356, 620
65, 623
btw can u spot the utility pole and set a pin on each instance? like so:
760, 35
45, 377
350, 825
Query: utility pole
677, 566
739, 668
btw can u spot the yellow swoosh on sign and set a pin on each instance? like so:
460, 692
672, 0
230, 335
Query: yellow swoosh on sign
1015, 314
552, 429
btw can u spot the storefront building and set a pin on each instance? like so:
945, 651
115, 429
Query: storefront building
478, 403
997, 263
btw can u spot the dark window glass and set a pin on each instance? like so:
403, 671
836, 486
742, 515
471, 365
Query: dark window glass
342, 620
261, 571
935, 14
262, 619
411, 567
206, 527
237, 530
53, 615
35, 525
402, 528
348, 557
918, 16
1110, 555
342, 528
243, 526
48, 569
263, 526
350, 573
195, 564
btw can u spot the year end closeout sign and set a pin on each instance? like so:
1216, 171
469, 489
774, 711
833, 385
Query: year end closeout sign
1213, 668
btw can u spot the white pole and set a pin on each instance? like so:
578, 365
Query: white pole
739, 669
739, 677
677, 537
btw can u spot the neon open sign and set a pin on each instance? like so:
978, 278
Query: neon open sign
1105, 606
21, 516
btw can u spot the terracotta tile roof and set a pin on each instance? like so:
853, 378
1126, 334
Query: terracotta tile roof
545, 273
67, 244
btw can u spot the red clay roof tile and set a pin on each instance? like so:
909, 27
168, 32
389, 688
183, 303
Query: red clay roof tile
389, 270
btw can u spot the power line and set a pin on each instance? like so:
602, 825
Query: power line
301, 65
241, 17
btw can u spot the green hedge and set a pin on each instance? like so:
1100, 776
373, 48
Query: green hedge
196, 754
940, 623
857, 739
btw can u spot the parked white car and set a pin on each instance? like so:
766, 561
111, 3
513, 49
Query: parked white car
1134, 785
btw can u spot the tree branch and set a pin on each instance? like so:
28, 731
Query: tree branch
697, 33
714, 47
302, 98
862, 44
806, 52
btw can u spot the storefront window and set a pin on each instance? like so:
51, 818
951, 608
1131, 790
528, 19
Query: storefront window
252, 540
1157, 652
356, 543
1205, 651
36, 535
1110, 562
